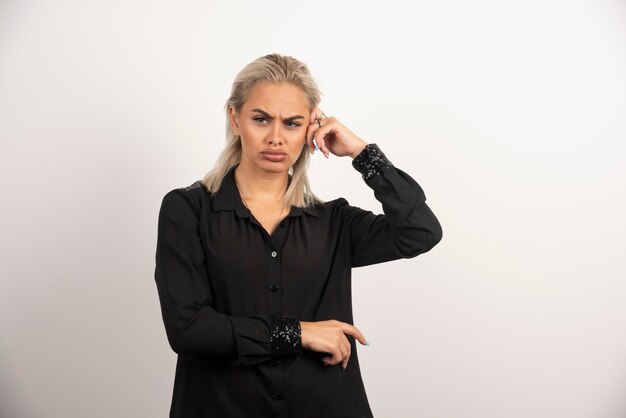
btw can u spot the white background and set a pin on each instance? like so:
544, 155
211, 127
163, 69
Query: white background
510, 115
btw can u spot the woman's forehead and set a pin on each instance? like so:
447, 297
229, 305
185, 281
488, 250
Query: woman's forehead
281, 98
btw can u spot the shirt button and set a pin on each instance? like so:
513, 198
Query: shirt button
274, 253
280, 396
274, 288
275, 362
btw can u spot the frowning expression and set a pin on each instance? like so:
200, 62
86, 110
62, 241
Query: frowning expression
272, 124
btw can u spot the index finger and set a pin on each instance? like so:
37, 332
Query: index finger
309, 136
315, 115
354, 331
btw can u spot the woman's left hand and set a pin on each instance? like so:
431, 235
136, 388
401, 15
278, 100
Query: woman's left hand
332, 136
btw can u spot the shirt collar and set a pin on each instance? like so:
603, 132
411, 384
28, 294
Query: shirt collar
228, 198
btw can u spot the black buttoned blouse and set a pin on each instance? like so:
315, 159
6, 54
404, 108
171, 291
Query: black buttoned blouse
232, 295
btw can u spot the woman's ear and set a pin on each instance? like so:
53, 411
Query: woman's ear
234, 119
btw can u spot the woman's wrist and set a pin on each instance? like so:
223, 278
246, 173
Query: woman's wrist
371, 161
303, 327
285, 335
359, 149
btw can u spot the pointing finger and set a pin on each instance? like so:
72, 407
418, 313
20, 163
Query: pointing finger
354, 331
314, 115
320, 133
313, 126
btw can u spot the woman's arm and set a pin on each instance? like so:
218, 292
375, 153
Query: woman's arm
193, 327
407, 228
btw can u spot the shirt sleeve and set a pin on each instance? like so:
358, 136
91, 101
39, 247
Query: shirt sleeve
406, 229
193, 327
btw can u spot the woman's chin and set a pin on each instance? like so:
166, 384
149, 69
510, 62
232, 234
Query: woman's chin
273, 166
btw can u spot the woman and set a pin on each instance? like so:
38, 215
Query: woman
253, 270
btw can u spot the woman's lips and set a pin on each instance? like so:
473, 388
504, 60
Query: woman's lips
273, 157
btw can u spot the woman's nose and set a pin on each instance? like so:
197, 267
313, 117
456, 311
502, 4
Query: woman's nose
276, 134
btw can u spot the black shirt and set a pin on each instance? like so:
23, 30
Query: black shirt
232, 296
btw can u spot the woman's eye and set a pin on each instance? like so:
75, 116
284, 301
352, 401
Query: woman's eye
262, 119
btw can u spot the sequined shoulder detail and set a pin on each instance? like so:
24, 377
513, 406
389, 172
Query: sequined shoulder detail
371, 161
195, 185
285, 335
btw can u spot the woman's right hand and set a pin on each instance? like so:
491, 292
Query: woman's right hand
329, 337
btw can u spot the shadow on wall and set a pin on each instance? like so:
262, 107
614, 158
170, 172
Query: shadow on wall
13, 402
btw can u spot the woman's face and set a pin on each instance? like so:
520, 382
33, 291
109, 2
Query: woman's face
273, 120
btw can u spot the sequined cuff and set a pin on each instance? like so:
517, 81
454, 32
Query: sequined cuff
371, 161
285, 335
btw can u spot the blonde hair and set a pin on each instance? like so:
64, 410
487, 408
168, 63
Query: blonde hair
272, 68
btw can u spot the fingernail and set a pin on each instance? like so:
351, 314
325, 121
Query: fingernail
367, 342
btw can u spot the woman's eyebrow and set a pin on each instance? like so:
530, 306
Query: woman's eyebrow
264, 113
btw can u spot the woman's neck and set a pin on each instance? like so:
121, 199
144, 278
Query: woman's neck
261, 186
